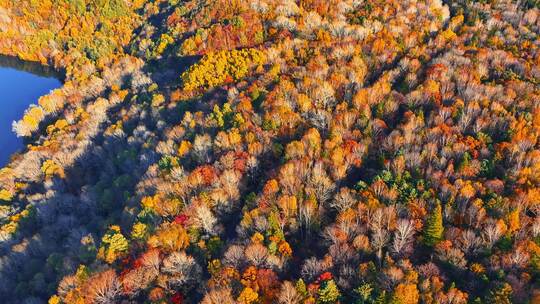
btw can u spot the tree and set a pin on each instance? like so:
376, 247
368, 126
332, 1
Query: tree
55, 300
217, 68
379, 224
170, 237
256, 254
218, 296
364, 293
139, 231
301, 288
234, 256
343, 200
137, 279
248, 296
493, 231
104, 288
114, 245
405, 294
433, 228
182, 269
328, 293
288, 294
402, 235
206, 219
51, 168
501, 294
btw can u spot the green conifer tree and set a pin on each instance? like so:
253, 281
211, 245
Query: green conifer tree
433, 228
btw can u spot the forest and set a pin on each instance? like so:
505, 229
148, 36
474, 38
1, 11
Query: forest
275, 151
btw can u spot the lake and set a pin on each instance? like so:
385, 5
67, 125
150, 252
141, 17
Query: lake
21, 84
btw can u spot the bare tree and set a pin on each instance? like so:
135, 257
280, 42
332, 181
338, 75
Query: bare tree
229, 181
256, 254
402, 235
343, 200
234, 256
288, 294
307, 214
379, 224
218, 296
491, 233
201, 148
311, 269
321, 183
181, 268
206, 219
137, 279
104, 288
379, 239
470, 241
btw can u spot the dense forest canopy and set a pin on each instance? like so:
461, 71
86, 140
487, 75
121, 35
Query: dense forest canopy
275, 151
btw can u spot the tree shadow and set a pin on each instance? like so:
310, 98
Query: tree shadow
96, 191
32, 67
167, 72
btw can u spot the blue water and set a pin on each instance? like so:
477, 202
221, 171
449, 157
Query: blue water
18, 89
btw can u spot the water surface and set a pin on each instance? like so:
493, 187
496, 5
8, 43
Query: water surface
21, 84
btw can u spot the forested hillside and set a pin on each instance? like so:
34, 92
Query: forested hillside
275, 151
